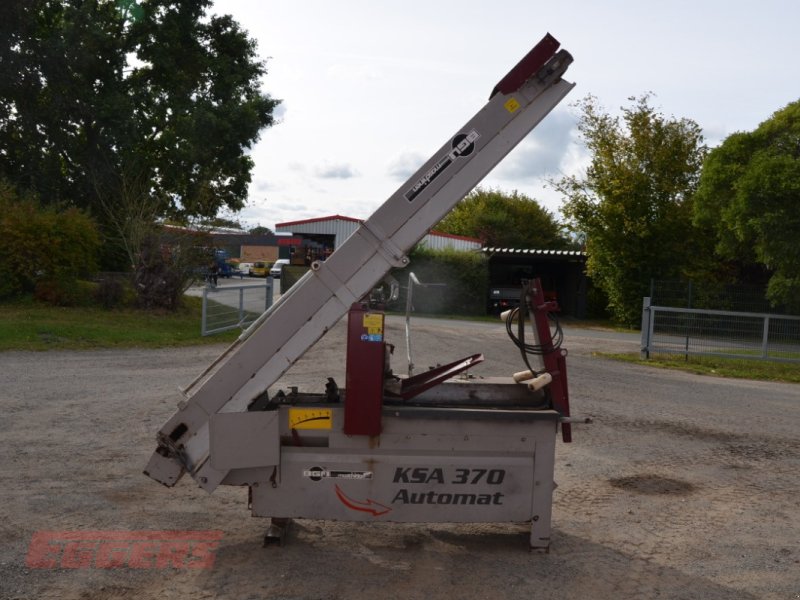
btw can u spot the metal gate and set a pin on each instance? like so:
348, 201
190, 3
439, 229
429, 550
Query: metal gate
234, 306
670, 330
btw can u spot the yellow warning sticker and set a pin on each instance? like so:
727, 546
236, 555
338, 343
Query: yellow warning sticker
310, 418
373, 323
511, 105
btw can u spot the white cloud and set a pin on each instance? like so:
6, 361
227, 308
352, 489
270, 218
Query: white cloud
335, 171
542, 153
404, 165
371, 87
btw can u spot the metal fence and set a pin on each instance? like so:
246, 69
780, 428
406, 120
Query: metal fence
734, 334
234, 306
715, 296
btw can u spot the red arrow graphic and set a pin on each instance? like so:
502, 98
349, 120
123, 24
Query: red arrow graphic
376, 509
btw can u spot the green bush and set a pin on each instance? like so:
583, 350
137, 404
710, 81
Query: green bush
596, 303
465, 276
65, 292
44, 246
110, 292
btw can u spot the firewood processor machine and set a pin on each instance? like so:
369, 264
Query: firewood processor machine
424, 448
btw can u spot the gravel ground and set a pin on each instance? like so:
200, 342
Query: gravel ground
683, 487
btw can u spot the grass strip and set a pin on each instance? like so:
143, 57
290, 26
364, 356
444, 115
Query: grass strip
760, 370
28, 325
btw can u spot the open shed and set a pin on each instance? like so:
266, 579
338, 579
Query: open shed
562, 273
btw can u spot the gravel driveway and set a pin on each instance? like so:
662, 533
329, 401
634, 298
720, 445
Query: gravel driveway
683, 487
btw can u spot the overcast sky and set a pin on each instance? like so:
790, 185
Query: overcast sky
371, 88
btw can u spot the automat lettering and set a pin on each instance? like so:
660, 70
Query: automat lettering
404, 496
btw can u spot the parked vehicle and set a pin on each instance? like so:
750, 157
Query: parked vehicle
277, 268
259, 269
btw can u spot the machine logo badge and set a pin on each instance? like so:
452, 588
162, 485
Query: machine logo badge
320, 473
376, 509
462, 145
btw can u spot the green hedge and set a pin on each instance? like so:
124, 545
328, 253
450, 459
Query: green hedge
465, 275
45, 249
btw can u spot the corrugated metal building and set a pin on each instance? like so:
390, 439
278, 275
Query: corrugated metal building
562, 272
244, 246
248, 247
335, 229
437, 240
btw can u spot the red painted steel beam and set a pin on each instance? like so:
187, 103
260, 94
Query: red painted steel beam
526, 68
554, 359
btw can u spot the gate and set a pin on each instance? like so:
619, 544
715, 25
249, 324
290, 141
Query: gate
732, 334
234, 306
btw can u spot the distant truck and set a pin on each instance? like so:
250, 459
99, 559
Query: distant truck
503, 297
221, 267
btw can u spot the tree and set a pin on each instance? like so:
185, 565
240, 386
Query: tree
260, 230
169, 259
500, 219
749, 197
633, 204
99, 96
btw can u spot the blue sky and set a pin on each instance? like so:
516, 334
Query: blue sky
370, 89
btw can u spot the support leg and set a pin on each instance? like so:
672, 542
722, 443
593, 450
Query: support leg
276, 533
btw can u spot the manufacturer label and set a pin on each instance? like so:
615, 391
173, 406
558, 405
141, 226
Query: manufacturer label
454, 477
320, 473
463, 145
442, 486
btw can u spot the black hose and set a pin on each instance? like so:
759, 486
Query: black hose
557, 336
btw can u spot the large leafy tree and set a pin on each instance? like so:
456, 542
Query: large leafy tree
749, 196
500, 219
129, 108
633, 204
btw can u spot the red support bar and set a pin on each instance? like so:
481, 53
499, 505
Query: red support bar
364, 377
413, 386
528, 66
555, 361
